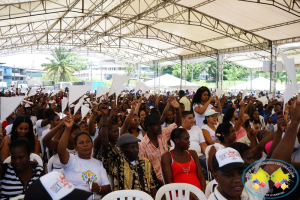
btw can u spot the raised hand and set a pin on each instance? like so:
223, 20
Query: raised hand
242, 103
281, 123
104, 108
174, 103
114, 112
295, 111
68, 121
210, 98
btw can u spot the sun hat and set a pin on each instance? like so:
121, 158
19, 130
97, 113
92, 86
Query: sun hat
211, 112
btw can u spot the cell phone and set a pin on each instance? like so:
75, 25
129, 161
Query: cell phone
251, 124
128, 110
228, 100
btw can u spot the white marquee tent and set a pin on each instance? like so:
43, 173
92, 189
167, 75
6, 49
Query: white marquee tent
257, 84
169, 81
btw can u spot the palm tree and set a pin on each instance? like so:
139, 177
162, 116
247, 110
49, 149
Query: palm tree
63, 64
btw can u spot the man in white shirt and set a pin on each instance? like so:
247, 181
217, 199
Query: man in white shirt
184, 100
197, 141
228, 171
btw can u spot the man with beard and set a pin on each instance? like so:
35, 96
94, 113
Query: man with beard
155, 143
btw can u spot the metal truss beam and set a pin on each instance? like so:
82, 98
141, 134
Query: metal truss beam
286, 41
197, 18
290, 6
33, 8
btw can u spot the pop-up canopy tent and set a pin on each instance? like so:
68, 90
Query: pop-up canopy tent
257, 84
169, 81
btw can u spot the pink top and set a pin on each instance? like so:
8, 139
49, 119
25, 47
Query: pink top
268, 146
240, 133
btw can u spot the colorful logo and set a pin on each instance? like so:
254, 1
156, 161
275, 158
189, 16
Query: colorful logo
279, 184
89, 177
62, 179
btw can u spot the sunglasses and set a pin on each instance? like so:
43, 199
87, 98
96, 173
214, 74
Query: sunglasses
136, 120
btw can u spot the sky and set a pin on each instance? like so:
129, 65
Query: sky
32, 61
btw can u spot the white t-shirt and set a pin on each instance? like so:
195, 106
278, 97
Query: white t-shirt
8, 129
211, 132
45, 133
81, 172
245, 140
39, 128
200, 118
33, 119
196, 137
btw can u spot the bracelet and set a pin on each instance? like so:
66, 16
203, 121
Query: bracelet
99, 189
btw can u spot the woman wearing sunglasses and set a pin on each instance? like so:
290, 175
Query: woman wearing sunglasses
132, 121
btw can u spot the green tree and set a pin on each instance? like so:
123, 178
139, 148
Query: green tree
129, 68
63, 64
233, 72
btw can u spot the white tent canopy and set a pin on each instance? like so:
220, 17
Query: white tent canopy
169, 81
257, 84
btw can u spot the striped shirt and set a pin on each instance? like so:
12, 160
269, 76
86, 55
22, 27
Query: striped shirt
11, 184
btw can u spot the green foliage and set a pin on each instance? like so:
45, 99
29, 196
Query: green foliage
63, 64
129, 69
233, 72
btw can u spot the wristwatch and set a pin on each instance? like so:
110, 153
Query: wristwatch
99, 189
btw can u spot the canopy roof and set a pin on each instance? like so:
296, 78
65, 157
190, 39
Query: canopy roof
169, 81
143, 31
260, 84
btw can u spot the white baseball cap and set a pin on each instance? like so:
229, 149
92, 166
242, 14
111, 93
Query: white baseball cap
211, 112
54, 186
227, 159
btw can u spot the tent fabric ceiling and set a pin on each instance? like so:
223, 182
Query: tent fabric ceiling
145, 31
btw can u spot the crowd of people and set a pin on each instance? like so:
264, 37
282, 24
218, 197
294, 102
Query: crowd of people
143, 141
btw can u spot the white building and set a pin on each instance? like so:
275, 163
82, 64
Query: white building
106, 71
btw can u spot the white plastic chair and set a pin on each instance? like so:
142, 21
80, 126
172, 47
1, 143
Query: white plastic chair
128, 195
42, 149
33, 156
50, 164
210, 188
179, 187
20, 197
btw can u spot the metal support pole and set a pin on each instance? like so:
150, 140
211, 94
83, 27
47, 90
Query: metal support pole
154, 74
192, 75
219, 74
273, 69
251, 78
181, 72
186, 63
158, 71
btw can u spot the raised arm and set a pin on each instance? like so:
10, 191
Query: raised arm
178, 119
241, 117
202, 110
164, 114
285, 147
219, 105
48, 140
126, 123
92, 126
102, 138
63, 142
281, 124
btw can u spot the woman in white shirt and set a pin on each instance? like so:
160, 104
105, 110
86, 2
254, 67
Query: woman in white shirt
82, 170
210, 127
201, 104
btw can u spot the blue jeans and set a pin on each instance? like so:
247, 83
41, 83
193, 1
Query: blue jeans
202, 159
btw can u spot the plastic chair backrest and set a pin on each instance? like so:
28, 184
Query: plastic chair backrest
33, 156
170, 191
128, 195
50, 164
20, 197
42, 149
209, 188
